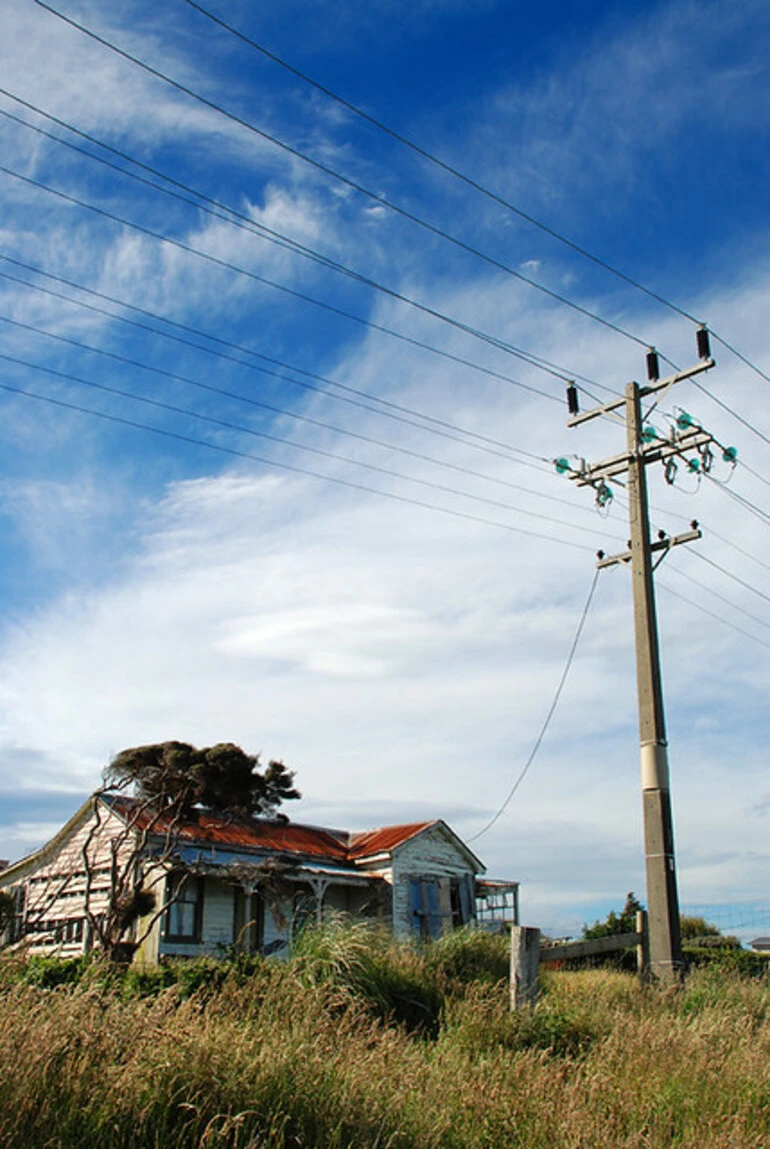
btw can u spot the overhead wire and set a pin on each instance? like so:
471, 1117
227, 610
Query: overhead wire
365, 400
734, 577
229, 214
711, 613
495, 197
551, 711
347, 181
742, 501
726, 407
737, 547
286, 412
723, 598
743, 358
443, 164
284, 441
292, 468
492, 341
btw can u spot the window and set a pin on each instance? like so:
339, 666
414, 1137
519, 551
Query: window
183, 916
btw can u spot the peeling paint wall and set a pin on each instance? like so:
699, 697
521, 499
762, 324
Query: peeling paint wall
54, 888
430, 855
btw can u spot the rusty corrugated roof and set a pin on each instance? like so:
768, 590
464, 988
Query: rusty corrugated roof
369, 843
282, 837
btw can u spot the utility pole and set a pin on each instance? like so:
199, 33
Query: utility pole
645, 446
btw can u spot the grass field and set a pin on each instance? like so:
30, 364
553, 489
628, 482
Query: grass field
358, 1042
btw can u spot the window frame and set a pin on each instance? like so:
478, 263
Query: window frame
178, 884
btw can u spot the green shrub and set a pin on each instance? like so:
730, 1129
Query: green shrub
728, 959
51, 972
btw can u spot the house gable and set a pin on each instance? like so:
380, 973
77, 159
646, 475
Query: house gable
433, 876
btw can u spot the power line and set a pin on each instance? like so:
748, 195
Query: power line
741, 550
491, 340
232, 451
211, 388
389, 204
425, 154
711, 613
548, 717
747, 586
269, 235
283, 441
743, 358
384, 407
742, 501
726, 407
716, 594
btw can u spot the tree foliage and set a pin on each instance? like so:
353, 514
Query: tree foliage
696, 927
178, 777
614, 923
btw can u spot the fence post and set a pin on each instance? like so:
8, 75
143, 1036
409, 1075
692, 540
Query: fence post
525, 963
643, 948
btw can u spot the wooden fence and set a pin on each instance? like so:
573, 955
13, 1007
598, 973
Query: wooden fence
528, 953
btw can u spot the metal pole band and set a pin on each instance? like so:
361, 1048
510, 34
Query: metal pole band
654, 757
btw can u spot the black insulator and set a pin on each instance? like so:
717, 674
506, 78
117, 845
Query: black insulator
703, 343
600, 555
573, 404
694, 525
661, 535
653, 366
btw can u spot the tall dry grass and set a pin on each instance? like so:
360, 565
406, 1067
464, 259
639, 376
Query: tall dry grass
323, 1051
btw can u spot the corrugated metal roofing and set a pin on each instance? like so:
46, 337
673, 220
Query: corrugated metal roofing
259, 834
369, 843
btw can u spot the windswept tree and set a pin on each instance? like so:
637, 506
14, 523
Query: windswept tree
179, 778
154, 790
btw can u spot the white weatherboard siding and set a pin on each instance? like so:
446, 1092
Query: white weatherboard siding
218, 914
55, 882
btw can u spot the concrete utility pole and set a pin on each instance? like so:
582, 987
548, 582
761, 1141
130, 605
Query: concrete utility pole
645, 446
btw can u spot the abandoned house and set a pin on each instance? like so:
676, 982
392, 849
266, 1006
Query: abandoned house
249, 883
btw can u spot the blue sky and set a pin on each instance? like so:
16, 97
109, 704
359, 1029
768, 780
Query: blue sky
254, 567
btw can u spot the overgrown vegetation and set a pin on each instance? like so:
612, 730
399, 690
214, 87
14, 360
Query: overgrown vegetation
357, 1042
